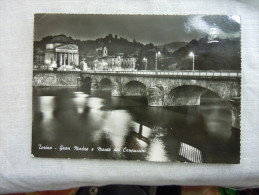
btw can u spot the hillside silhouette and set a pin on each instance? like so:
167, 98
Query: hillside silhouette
219, 54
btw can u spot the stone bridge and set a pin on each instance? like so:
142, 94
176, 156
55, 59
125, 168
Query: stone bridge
171, 88
178, 88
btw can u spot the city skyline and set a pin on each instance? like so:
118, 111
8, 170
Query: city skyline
157, 29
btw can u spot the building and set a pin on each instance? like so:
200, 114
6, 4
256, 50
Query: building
129, 63
61, 51
116, 62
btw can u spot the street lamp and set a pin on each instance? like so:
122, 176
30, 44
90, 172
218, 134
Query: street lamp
95, 61
192, 54
158, 53
118, 65
145, 59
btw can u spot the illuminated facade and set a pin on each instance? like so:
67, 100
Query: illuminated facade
61, 51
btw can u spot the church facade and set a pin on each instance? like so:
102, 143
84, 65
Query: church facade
61, 51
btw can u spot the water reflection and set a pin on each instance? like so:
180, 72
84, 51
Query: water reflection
116, 126
46, 107
157, 151
98, 121
80, 101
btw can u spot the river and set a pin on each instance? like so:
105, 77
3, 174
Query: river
73, 123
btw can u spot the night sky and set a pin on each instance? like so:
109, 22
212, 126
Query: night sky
144, 28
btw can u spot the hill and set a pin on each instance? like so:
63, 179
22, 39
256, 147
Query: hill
219, 54
171, 47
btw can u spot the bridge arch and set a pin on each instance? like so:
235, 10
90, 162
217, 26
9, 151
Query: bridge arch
135, 88
105, 83
188, 95
195, 95
87, 83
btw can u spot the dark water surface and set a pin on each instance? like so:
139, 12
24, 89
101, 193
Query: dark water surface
69, 123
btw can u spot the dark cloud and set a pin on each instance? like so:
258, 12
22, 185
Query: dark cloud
225, 23
221, 26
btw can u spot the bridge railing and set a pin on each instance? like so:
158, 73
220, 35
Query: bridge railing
232, 74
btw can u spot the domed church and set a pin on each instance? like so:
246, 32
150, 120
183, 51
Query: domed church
61, 51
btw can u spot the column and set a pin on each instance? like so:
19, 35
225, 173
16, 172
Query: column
60, 59
64, 59
57, 58
68, 58
76, 59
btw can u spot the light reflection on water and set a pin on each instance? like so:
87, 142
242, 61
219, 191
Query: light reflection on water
157, 151
116, 126
74, 118
80, 101
46, 105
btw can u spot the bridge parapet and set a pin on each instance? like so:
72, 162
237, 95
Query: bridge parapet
190, 74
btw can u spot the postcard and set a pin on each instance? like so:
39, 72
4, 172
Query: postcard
160, 88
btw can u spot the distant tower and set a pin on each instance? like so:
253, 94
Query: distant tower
105, 51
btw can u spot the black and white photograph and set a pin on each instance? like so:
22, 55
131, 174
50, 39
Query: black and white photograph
154, 88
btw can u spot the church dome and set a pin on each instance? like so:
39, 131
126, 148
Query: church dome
62, 39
